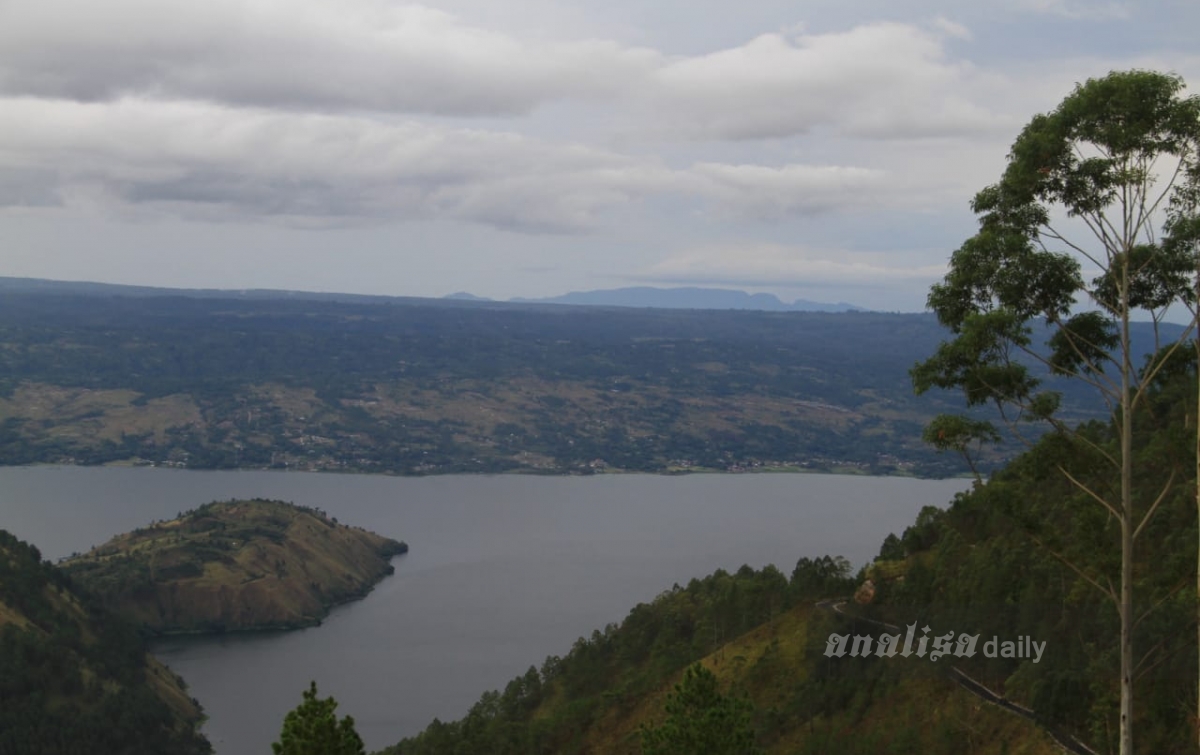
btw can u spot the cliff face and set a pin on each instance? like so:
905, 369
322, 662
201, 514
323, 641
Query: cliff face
236, 565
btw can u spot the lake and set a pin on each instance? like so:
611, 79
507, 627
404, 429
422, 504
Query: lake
502, 571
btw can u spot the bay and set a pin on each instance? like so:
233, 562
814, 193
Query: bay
502, 571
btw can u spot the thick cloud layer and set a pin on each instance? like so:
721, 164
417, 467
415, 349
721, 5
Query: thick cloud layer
203, 160
298, 54
646, 126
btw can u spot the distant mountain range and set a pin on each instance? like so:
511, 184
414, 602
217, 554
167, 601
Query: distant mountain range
680, 298
639, 296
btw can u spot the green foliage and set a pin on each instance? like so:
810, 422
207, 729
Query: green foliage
892, 549
1092, 155
543, 713
925, 532
821, 577
702, 721
313, 728
1093, 159
966, 436
996, 563
73, 679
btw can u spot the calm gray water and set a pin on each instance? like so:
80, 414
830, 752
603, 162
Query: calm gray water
502, 571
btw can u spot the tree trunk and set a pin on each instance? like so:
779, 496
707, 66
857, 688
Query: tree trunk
1126, 637
1127, 521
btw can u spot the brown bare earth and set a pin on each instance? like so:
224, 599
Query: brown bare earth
520, 424
82, 413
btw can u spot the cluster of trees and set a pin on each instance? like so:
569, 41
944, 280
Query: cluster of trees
73, 677
618, 666
1023, 556
701, 720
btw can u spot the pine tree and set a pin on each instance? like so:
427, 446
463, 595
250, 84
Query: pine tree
312, 728
702, 721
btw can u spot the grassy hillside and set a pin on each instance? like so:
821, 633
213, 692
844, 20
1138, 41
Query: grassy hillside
771, 665
74, 678
596, 700
235, 565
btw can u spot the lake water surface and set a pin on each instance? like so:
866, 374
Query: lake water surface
502, 571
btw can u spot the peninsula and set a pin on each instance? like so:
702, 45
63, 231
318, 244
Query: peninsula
235, 565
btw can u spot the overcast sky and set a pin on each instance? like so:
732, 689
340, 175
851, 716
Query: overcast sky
824, 149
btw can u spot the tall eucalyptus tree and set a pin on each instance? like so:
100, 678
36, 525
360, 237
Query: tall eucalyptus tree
1092, 224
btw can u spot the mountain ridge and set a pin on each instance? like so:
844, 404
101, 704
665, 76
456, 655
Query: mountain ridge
639, 296
688, 297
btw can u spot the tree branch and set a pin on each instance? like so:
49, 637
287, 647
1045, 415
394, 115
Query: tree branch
1170, 593
1099, 499
1108, 591
1161, 495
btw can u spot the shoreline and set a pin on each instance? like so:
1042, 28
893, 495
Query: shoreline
151, 637
841, 470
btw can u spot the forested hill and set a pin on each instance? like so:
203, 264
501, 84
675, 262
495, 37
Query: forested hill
425, 386
74, 678
1028, 557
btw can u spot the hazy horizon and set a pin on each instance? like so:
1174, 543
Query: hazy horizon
827, 151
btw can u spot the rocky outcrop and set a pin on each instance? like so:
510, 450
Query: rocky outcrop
865, 592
